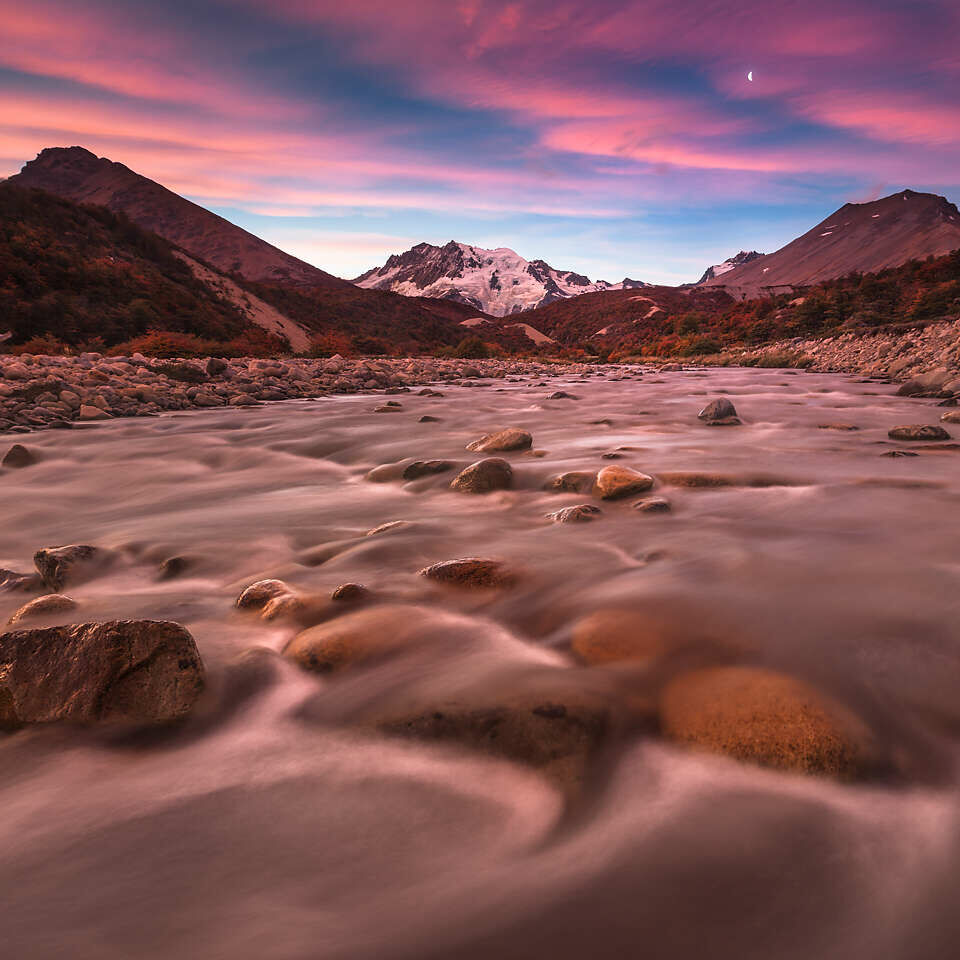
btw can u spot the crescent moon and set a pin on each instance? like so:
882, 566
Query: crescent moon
750, 76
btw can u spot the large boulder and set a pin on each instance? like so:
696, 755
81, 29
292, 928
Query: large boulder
135, 670
763, 717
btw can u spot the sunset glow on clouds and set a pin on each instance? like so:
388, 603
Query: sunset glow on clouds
612, 137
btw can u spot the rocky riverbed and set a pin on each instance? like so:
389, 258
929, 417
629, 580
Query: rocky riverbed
481, 659
38, 392
930, 354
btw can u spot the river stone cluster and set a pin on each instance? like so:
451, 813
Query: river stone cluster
39, 392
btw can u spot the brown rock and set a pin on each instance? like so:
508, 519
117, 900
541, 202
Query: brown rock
41, 606
718, 410
258, 594
470, 572
510, 439
11, 581
616, 481
484, 476
613, 635
133, 670
88, 412
556, 734
918, 431
350, 593
363, 636
18, 457
837, 426
653, 505
391, 526
73, 564
173, 567
426, 468
762, 717
582, 513
951, 416
576, 481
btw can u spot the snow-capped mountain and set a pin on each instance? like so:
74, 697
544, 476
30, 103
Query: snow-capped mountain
719, 269
498, 282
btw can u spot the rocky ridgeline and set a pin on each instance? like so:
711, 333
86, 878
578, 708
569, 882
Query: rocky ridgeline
41, 391
931, 354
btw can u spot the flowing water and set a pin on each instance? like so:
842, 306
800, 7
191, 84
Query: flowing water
272, 824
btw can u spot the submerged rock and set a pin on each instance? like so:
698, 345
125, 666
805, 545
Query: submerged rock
653, 505
426, 468
484, 476
763, 717
11, 581
134, 670
575, 481
470, 572
59, 566
918, 431
581, 513
363, 636
18, 457
41, 606
350, 593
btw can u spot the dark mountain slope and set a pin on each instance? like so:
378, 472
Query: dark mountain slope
79, 175
859, 237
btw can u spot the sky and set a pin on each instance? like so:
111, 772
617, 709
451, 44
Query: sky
611, 137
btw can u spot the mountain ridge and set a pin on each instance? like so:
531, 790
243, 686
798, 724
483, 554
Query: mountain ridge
77, 174
856, 238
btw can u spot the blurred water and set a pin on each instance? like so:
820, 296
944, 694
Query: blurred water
274, 825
